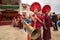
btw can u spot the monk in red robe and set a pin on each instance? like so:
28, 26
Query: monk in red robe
47, 23
36, 18
17, 22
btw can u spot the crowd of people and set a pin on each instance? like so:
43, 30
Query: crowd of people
37, 20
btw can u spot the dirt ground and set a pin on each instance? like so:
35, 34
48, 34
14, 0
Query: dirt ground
8, 32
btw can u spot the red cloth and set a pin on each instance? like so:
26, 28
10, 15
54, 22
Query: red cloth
14, 18
46, 8
0, 1
34, 6
1, 17
38, 24
28, 37
48, 25
5, 23
24, 14
18, 15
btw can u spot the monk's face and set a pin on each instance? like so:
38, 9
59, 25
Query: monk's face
47, 13
36, 11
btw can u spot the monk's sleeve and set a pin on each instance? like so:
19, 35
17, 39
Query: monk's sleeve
40, 19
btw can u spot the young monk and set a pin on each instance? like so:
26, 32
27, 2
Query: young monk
17, 21
36, 18
47, 23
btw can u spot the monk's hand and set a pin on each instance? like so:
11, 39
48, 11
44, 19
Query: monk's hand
53, 23
46, 28
34, 27
35, 16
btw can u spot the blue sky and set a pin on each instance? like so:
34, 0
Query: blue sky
55, 4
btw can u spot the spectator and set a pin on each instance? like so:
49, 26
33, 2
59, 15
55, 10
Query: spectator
55, 19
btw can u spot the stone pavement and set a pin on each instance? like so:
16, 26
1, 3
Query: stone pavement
8, 32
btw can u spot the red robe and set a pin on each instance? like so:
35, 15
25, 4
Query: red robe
38, 24
47, 33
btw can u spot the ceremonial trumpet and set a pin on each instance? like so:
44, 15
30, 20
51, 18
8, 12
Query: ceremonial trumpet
35, 33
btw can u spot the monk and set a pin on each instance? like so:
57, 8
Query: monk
47, 23
36, 18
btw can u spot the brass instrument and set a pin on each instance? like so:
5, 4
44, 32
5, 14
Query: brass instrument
35, 33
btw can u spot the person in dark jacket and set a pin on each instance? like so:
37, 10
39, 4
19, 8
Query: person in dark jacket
55, 19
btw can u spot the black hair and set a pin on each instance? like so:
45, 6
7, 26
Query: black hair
53, 12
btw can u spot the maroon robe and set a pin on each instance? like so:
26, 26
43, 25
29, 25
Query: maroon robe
47, 33
20, 24
38, 24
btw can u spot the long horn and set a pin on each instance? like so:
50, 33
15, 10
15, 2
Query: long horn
35, 33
